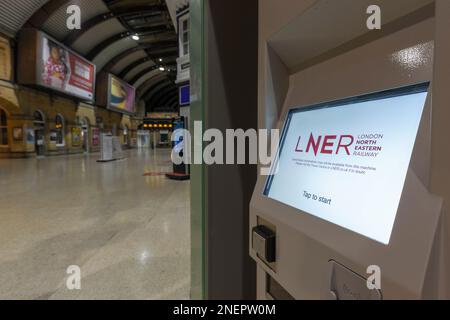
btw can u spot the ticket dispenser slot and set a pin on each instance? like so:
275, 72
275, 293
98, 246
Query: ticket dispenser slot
275, 291
348, 285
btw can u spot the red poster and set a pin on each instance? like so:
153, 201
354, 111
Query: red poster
82, 76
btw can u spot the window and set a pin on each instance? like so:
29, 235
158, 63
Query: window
184, 35
38, 118
59, 129
3, 128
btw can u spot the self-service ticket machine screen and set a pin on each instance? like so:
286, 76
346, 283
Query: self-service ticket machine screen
346, 161
344, 196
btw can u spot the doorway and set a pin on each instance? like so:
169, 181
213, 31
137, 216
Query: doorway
143, 139
126, 141
39, 133
85, 134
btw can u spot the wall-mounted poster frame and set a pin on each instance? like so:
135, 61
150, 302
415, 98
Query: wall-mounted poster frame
76, 137
44, 62
95, 137
18, 134
115, 94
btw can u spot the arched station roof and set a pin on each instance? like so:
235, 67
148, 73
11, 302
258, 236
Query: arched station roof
105, 37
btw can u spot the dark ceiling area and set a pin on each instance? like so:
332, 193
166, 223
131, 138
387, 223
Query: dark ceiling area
133, 39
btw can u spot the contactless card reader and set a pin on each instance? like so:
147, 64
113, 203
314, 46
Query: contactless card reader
263, 242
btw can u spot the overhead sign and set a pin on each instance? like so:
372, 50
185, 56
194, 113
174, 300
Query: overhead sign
346, 161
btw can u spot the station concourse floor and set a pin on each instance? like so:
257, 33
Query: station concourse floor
129, 233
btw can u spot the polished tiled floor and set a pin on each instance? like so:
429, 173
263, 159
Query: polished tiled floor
128, 233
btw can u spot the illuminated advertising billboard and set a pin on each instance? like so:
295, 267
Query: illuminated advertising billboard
45, 62
62, 70
346, 162
121, 96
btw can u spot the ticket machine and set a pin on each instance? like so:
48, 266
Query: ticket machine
346, 211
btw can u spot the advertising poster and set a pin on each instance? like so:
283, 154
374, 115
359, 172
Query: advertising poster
95, 137
62, 70
121, 96
347, 164
178, 137
76, 137
18, 134
30, 136
53, 138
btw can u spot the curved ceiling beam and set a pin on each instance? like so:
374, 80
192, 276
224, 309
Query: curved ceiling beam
110, 64
43, 13
164, 96
143, 88
164, 109
133, 65
143, 93
174, 106
158, 92
146, 95
175, 96
160, 85
145, 75
142, 73
176, 99
140, 10
146, 87
149, 97
148, 79
155, 88
162, 93
124, 54
106, 43
174, 102
163, 100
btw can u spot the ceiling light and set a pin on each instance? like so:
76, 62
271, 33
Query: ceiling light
135, 37
160, 59
161, 69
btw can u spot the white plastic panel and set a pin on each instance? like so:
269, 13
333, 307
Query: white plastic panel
333, 23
